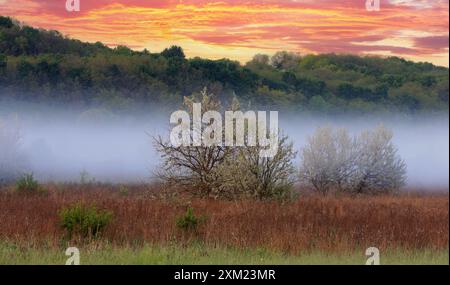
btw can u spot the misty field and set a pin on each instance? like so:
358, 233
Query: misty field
145, 228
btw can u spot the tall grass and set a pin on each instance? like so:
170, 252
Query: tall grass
310, 223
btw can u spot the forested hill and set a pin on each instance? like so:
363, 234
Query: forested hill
38, 65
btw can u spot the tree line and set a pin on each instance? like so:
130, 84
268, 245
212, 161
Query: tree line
45, 66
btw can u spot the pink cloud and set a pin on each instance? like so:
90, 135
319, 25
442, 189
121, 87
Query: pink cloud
433, 42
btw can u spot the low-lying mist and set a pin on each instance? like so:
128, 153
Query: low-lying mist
69, 146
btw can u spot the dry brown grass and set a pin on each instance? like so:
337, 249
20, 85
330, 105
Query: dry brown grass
331, 224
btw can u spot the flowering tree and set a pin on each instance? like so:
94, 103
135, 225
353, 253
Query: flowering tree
368, 163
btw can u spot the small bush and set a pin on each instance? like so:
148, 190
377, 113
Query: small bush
123, 191
85, 221
189, 221
28, 185
86, 178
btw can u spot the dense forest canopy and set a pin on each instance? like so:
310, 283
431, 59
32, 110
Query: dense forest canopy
37, 65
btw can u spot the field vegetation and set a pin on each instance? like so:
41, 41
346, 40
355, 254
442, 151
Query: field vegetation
311, 225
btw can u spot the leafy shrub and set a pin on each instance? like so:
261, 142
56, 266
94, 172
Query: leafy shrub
246, 173
189, 221
85, 221
26, 184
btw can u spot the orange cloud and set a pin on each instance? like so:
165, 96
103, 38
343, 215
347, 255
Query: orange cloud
415, 29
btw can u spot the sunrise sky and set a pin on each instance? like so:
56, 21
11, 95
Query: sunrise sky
415, 29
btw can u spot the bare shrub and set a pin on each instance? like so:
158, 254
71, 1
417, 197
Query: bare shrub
191, 167
226, 172
368, 163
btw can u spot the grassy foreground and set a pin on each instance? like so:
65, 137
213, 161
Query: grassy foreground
145, 228
196, 254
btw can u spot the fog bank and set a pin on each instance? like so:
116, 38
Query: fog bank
119, 149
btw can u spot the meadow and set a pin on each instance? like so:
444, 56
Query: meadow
408, 228
355, 131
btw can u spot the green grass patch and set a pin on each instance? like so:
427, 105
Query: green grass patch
199, 254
